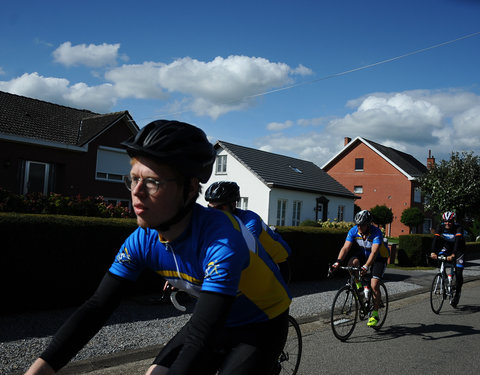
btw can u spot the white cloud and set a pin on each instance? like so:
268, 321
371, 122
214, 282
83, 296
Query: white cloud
214, 87
58, 90
137, 81
277, 126
211, 88
412, 121
2, 72
91, 55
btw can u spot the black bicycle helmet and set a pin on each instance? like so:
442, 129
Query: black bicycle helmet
363, 217
222, 192
175, 143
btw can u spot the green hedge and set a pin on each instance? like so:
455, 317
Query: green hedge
312, 250
413, 249
54, 261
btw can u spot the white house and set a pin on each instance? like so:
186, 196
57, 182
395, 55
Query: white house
281, 189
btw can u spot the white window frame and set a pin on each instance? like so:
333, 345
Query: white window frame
112, 164
297, 212
281, 211
46, 174
358, 189
125, 202
417, 195
242, 203
221, 164
340, 212
363, 164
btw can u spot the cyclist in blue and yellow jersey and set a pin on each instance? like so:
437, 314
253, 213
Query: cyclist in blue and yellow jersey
240, 321
450, 241
369, 252
224, 195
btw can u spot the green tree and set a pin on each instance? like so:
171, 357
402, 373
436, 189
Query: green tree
453, 185
382, 215
412, 217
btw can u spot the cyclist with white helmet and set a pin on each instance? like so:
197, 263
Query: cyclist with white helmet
240, 321
369, 252
450, 241
224, 195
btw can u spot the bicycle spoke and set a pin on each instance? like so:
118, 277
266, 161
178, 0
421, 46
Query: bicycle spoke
289, 359
383, 306
437, 293
344, 313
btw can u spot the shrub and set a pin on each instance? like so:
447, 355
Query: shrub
309, 223
36, 203
413, 249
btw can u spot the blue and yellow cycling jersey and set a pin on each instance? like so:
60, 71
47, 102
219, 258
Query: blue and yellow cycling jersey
375, 236
216, 253
272, 242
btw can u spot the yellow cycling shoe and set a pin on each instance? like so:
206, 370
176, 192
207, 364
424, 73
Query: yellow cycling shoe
372, 322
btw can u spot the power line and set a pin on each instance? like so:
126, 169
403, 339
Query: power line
346, 71
365, 66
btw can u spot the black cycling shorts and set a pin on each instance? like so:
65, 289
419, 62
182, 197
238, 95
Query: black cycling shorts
249, 349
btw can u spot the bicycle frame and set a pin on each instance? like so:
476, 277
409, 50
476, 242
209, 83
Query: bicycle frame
354, 273
442, 285
348, 305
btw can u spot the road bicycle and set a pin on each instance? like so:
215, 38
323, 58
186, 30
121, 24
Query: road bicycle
349, 304
443, 285
289, 359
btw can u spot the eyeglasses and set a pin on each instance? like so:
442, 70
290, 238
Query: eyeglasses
150, 185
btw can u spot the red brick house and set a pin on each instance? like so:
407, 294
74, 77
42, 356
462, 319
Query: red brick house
380, 175
45, 147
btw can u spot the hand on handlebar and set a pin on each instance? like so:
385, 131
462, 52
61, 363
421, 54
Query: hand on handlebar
450, 258
364, 270
433, 256
332, 268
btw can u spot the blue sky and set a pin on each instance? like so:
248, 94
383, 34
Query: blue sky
290, 77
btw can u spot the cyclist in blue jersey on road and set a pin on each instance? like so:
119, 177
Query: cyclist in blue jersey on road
240, 321
369, 252
450, 241
224, 195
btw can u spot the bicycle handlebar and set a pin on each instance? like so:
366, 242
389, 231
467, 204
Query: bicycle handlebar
348, 268
442, 258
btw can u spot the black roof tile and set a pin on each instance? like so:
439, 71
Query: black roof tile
286, 172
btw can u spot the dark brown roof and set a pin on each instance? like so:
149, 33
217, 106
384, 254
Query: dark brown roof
39, 120
281, 171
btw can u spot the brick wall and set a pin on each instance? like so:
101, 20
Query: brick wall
382, 184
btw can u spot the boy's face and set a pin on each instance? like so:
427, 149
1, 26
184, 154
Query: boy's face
363, 228
153, 209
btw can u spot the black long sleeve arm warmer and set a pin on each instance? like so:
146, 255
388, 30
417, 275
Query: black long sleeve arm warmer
85, 322
209, 317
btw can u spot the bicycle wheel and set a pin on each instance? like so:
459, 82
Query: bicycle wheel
383, 306
289, 359
437, 293
344, 313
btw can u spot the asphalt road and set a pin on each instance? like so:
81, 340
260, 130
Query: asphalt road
413, 339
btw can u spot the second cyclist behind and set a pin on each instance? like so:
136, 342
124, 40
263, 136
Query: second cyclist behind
369, 252
224, 195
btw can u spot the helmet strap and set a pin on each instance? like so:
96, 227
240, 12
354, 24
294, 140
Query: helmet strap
187, 207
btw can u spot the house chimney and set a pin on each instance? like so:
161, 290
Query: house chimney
346, 141
430, 160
